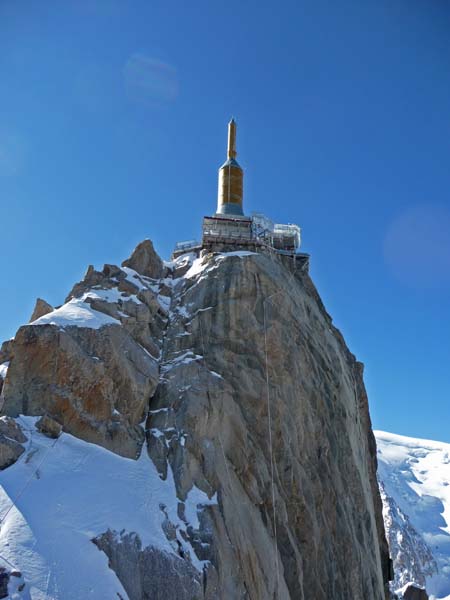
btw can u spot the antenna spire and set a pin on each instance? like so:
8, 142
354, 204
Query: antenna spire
232, 139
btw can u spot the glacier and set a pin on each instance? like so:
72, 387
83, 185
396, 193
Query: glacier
414, 476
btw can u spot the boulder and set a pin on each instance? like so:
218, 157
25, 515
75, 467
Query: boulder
49, 427
10, 451
145, 261
11, 440
12, 430
6, 351
41, 308
12, 584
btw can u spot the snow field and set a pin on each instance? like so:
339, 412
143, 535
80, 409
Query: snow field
74, 492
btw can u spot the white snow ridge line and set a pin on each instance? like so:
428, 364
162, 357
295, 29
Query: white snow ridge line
76, 313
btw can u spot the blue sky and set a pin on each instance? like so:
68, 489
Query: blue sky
113, 124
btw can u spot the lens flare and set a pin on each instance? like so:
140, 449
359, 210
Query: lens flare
417, 246
149, 80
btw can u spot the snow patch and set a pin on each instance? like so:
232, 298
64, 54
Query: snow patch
197, 267
183, 359
181, 261
4, 369
134, 278
112, 295
158, 410
76, 313
215, 374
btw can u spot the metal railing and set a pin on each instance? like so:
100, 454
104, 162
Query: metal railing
186, 245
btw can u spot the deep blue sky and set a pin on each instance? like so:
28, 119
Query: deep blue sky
113, 124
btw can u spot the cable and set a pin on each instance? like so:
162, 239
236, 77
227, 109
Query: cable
220, 437
44, 458
269, 415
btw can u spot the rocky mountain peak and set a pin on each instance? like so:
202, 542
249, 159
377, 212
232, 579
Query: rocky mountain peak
145, 260
222, 378
41, 308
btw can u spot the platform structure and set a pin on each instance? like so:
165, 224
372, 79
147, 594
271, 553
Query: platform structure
230, 229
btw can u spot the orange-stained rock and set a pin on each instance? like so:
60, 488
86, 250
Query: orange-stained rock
79, 377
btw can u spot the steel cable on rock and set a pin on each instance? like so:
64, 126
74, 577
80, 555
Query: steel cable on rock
220, 437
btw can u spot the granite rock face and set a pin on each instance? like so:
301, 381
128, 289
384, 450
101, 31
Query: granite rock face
251, 396
96, 383
261, 401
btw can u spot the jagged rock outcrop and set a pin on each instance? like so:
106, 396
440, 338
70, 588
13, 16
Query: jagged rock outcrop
252, 397
145, 261
148, 572
92, 364
41, 308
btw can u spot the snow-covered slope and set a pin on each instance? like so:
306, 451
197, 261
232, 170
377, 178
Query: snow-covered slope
60, 495
414, 478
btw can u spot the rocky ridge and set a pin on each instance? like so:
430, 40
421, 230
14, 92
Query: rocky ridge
248, 393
